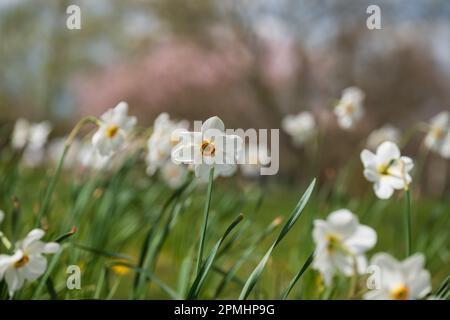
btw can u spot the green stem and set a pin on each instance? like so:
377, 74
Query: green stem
408, 222
205, 220
54, 179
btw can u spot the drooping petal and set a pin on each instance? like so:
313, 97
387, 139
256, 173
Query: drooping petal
14, 280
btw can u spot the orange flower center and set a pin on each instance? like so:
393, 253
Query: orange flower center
400, 293
111, 132
207, 148
22, 262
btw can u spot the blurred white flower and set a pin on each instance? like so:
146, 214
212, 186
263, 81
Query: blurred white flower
405, 280
32, 137
207, 148
256, 157
89, 157
160, 143
20, 133
438, 137
174, 174
385, 133
27, 262
350, 108
340, 244
387, 169
301, 127
114, 128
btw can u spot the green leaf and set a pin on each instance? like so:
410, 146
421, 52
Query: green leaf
204, 270
256, 274
294, 280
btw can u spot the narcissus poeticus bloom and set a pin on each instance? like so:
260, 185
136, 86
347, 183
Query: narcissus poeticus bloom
341, 243
115, 126
405, 280
387, 169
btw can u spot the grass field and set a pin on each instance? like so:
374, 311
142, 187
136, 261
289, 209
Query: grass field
124, 215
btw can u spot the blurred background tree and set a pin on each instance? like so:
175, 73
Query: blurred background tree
250, 62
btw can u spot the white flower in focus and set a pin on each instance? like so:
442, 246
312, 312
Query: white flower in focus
27, 262
405, 280
210, 147
350, 108
340, 244
174, 174
113, 131
385, 133
438, 137
160, 143
301, 127
255, 157
387, 169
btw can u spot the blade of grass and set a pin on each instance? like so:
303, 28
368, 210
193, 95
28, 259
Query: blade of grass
204, 270
228, 276
294, 280
255, 275
103, 252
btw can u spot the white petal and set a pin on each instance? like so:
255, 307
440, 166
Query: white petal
387, 151
391, 273
32, 236
343, 222
368, 158
51, 247
14, 280
213, 123
362, 240
383, 190
420, 285
35, 267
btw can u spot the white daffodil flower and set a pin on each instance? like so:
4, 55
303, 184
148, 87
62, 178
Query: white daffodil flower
115, 125
160, 143
256, 156
385, 133
340, 244
405, 280
387, 169
174, 174
350, 108
301, 127
210, 147
27, 262
438, 137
